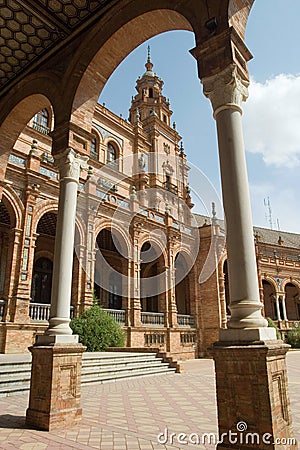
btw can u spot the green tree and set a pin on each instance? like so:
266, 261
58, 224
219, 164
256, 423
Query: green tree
293, 337
273, 325
97, 330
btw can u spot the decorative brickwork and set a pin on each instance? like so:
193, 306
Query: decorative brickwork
252, 389
55, 386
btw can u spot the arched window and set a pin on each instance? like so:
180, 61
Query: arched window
41, 121
150, 92
94, 150
111, 156
42, 281
114, 298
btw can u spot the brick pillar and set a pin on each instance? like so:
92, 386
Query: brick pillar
252, 396
55, 386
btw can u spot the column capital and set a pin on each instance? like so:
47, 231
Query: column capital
226, 90
69, 164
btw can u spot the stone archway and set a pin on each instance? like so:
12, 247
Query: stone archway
222, 62
269, 294
111, 270
292, 301
182, 285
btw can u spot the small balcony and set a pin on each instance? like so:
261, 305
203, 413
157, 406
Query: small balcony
117, 314
185, 320
170, 187
153, 319
41, 311
41, 128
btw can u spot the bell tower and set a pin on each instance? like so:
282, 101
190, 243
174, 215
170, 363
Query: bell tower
149, 100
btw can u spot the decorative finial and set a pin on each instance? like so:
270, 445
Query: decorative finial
214, 214
34, 147
133, 195
149, 64
181, 150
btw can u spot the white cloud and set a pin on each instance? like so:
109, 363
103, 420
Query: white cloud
272, 120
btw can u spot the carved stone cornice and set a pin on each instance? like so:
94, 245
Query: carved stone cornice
69, 164
226, 90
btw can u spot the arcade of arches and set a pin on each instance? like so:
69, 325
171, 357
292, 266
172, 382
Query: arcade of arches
103, 257
119, 190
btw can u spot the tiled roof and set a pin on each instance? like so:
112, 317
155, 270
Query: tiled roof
267, 236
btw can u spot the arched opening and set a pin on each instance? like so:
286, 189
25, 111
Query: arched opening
41, 121
94, 148
7, 223
111, 264
104, 55
42, 281
182, 288
270, 301
152, 265
112, 156
292, 301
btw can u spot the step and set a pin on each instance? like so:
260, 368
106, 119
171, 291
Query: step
126, 375
15, 370
109, 370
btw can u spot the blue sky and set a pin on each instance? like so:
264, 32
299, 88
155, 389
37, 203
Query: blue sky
271, 116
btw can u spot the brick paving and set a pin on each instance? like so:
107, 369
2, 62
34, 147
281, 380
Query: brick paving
128, 415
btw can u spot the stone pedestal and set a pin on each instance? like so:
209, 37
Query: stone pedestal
252, 396
55, 386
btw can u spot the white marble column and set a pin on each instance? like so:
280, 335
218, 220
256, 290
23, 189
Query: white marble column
277, 307
69, 164
285, 317
226, 91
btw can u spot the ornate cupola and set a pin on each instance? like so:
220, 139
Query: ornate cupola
149, 100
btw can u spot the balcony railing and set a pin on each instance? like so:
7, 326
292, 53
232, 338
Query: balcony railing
170, 187
185, 320
117, 314
41, 128
41, 311
2, 308
151, 318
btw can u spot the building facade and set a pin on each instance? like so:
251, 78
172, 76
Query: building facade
139, 250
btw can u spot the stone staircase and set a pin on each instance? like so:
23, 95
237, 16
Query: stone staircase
15, 370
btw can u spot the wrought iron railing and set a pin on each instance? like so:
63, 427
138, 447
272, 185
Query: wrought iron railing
117, 314
185, 320
41, 311
2, 308
151, 318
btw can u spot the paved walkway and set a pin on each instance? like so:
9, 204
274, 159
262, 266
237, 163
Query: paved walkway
129, 415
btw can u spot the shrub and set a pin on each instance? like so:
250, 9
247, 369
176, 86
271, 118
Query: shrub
97, 330
293, 337
273, 325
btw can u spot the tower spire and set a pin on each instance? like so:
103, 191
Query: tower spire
149, 64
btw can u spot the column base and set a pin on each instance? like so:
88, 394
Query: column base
55, 387
252, 396
247, 334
